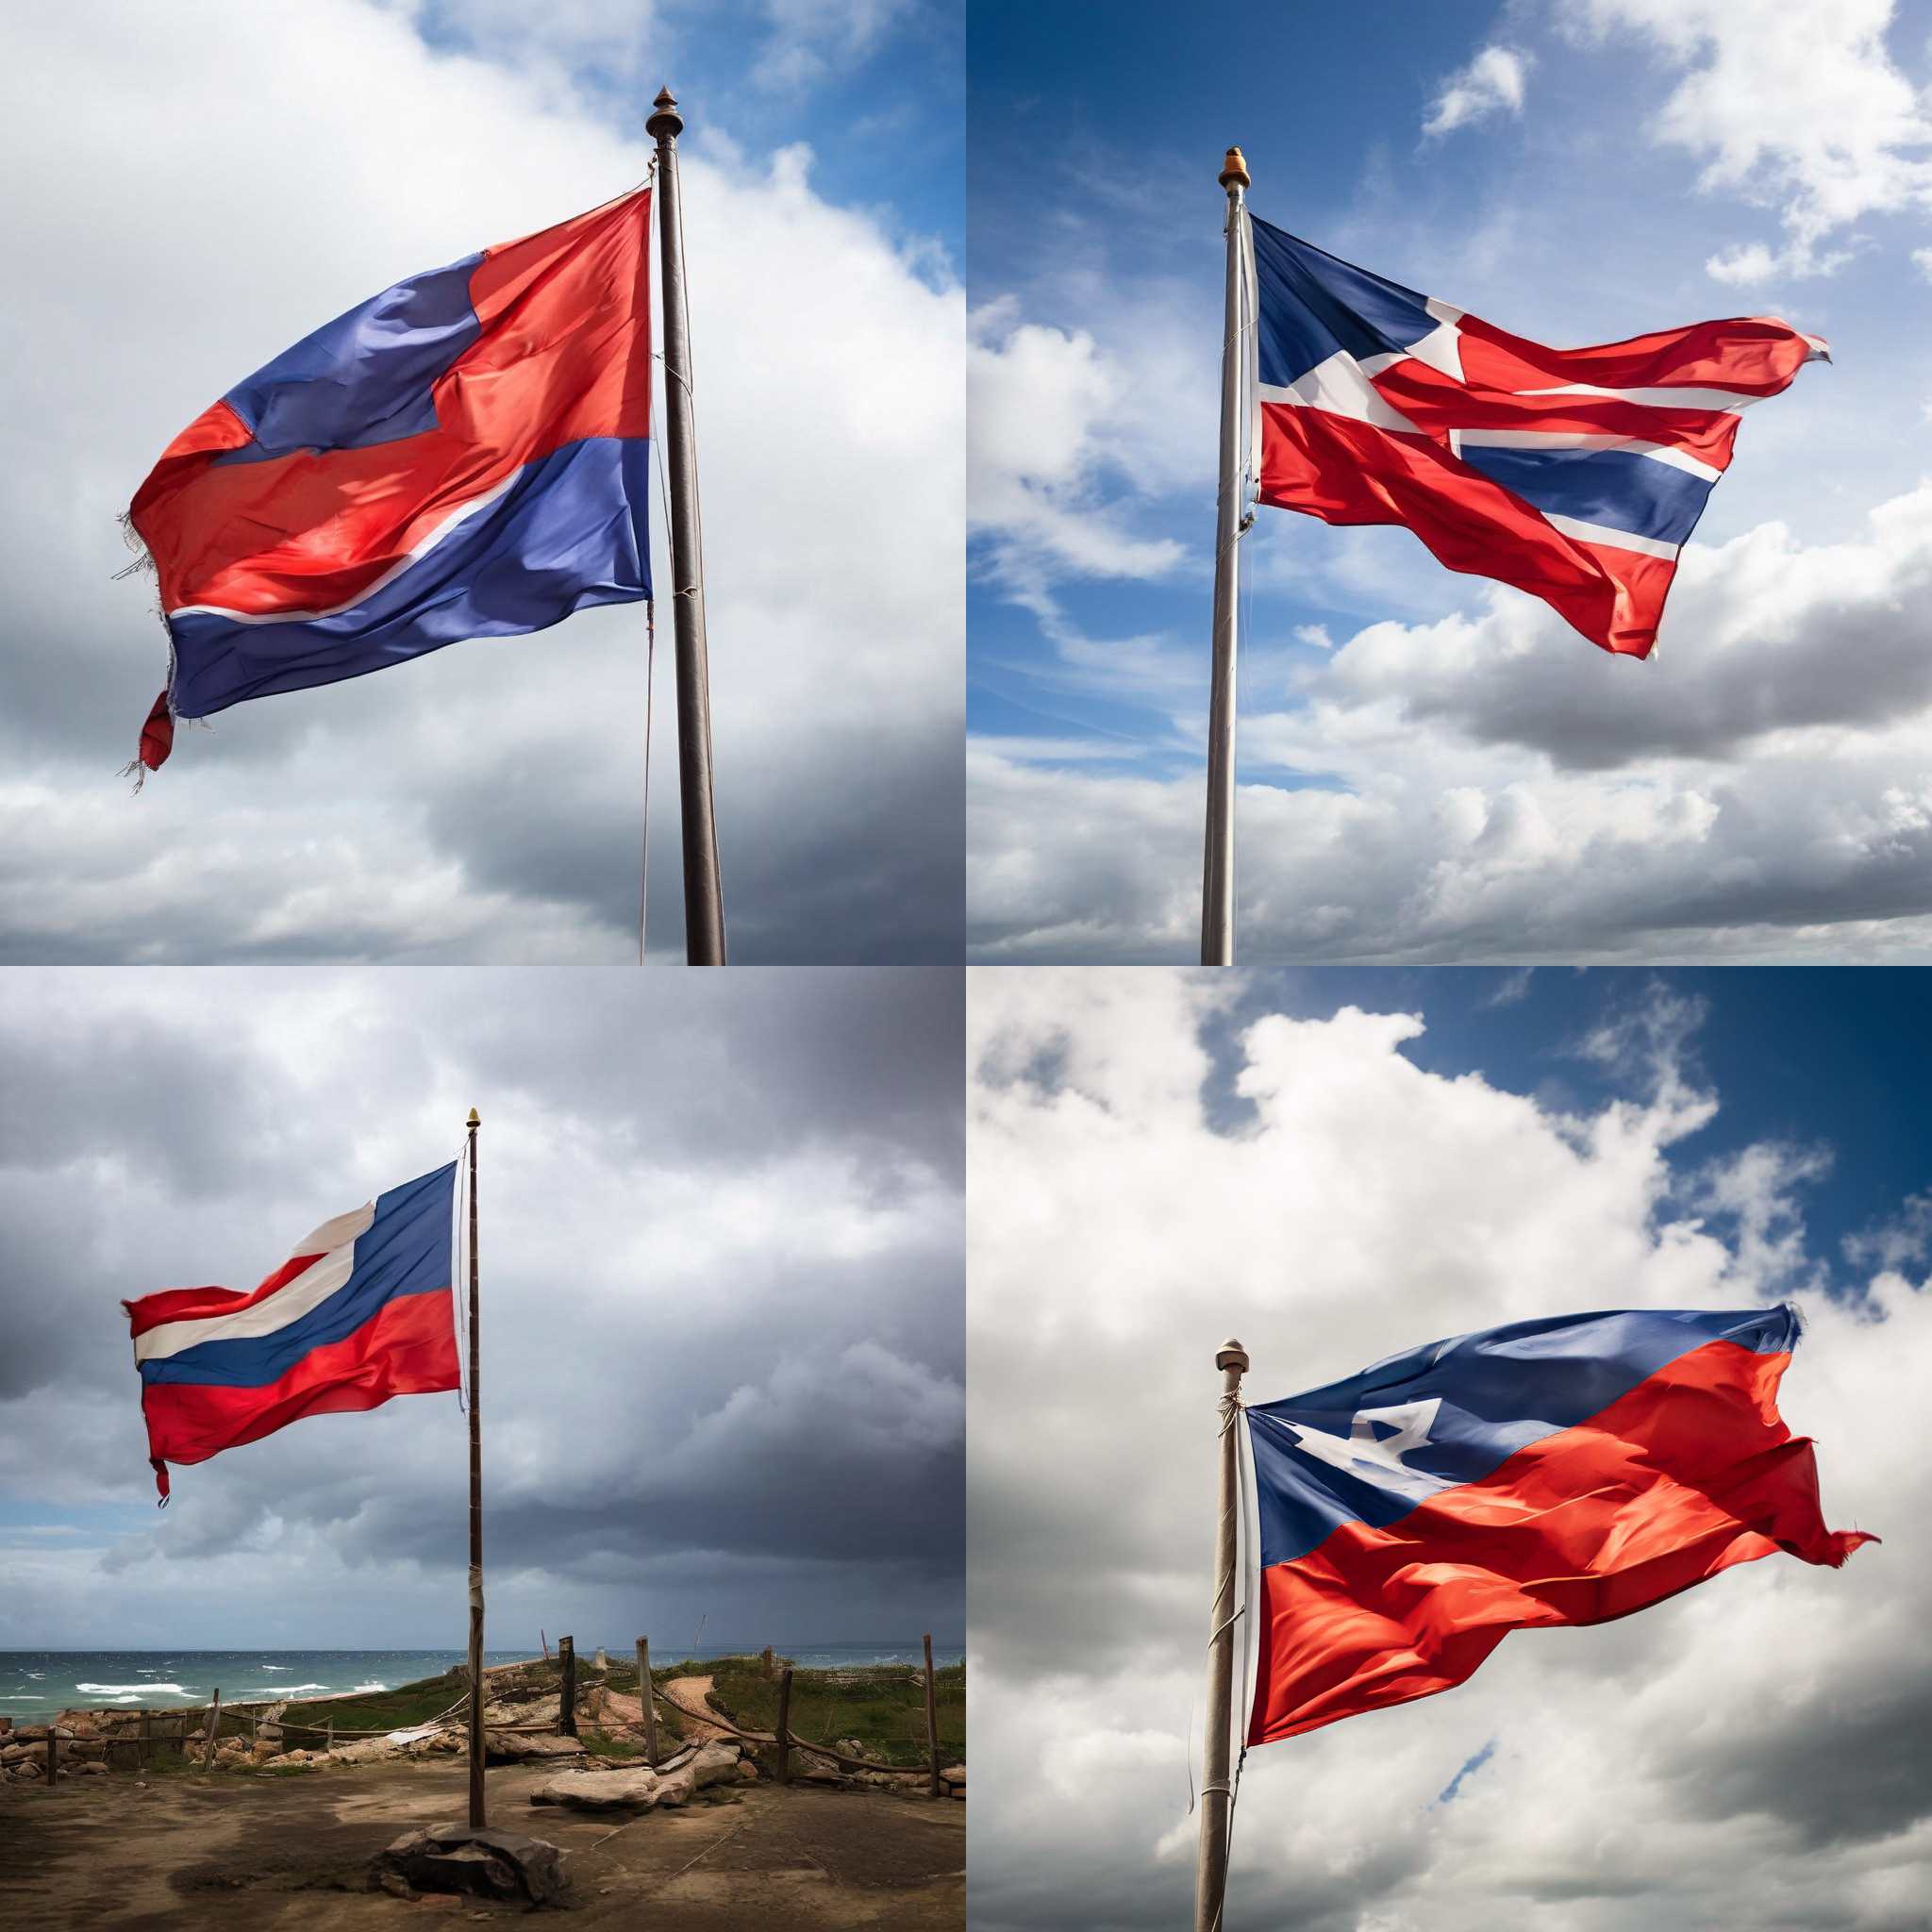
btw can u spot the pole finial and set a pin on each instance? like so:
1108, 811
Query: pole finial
1233, 170
1231, 1355
667, 123
474, 1121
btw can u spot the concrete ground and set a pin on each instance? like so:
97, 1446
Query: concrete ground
263, 1852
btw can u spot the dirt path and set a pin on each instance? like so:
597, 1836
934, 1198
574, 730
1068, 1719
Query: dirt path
692, 1695
277, 1853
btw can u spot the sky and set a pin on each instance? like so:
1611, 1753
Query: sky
198, 187
721, 1289
1433, 769
1334, 1164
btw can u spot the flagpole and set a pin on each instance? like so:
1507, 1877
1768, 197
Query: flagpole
477, 1747
1210, 1881
1217, 866
704, 901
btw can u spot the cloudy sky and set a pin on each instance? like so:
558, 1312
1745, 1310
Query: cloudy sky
1334, 1164
1433, 769
197, 187
721, 1287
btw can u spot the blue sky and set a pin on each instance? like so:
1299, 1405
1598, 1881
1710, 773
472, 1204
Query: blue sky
1825, 1063
1584, 206
877, 90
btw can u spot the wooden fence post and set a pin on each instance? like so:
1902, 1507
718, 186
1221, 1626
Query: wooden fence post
146, 1742
53, 1753
214, 1725
784, 1734
545, 1642
646, 1703
932, 1719
329, 1736
253, 1731
567, 1686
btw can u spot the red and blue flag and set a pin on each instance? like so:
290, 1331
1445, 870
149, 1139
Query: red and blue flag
1576, 475
465, 455
362, 1311
1561, 1472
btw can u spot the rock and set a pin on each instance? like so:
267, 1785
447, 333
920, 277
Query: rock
517, 1747
953, 1774
452, 1858
93, 1765
747, 1771
17, 1753
600, 1662
602, 1790
269, 1734
678, 1789
713, 1765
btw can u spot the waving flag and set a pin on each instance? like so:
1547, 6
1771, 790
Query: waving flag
462, 456
359, 1312
1576, 475
1561, 1472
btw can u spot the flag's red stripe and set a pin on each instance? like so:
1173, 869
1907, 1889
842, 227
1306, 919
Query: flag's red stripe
1348, 471
187, 1304
562, 357
1753, 353
1688, 1473
408, 1348
1438, 404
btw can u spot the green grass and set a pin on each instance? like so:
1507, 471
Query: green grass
883, 1707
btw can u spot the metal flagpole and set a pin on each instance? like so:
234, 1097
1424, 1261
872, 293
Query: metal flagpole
1210, 1881
703, 902
1217, 867
477, 1818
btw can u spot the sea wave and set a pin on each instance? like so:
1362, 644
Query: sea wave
371, 1687
132, 1690
290, 1690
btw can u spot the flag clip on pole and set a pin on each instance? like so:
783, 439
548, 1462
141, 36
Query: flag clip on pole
1211, 1882
704, 901
1217, 866
476, 1744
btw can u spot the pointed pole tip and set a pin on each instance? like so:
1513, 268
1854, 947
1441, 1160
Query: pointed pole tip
1233, 170
474, 1119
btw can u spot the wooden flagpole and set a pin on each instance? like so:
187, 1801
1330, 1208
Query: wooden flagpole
1217, 861
476, 1746
1210, 1880
704, 898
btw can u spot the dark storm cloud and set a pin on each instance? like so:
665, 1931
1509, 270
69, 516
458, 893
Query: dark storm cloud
722, 1266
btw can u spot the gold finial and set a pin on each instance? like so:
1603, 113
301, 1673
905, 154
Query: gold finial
1234, 168
474, 1121
667, 123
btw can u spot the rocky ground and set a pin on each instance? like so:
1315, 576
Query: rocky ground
274, 1851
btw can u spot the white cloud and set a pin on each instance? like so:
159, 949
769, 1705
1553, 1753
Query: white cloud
1793, 103
1744, 1752
1493, 83
1491, 788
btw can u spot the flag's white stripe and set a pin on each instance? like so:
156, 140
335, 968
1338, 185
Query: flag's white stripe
1564, 438
461, 515
289, 1303
338, 1233
1725, 401
1341, 385
1616, 540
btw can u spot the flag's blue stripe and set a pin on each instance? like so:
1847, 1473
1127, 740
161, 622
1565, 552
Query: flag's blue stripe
406, 1251
568, 533
1501, 1389
364, 377
1310, 304
1612, 487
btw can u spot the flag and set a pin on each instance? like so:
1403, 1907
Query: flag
1559, 1472
361, 1311
462, 456
1577, 475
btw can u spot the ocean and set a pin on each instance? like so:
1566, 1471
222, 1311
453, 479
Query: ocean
34, 1684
